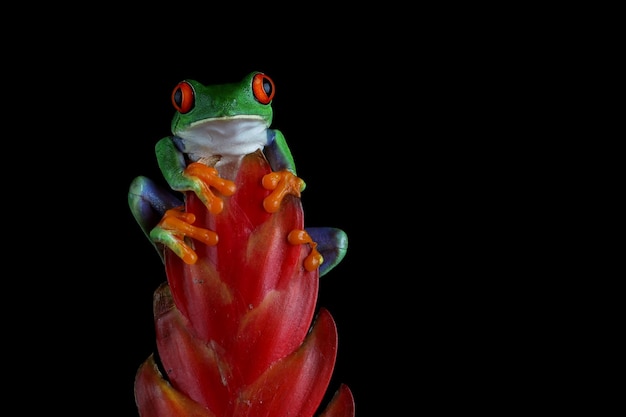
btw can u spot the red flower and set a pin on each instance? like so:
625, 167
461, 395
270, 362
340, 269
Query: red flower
237, 329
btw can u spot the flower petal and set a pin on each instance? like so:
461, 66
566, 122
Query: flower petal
155, 397
295, 385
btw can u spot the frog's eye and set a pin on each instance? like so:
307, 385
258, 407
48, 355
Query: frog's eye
263, 88
183, 97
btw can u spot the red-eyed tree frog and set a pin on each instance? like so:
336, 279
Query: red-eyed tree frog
213, 128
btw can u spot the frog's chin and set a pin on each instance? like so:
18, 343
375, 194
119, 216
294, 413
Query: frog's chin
224, 137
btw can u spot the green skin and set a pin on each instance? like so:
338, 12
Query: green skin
225, 123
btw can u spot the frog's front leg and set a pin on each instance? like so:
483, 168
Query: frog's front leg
173, 230
195, 176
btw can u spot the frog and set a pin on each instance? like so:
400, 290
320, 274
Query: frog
213, 128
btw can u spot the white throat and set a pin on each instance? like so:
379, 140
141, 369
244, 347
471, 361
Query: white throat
224, 137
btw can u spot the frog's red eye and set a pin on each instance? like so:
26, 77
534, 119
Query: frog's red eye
183, 97
263, 88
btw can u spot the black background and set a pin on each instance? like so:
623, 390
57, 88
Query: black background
339, 109
392, 133
453, 143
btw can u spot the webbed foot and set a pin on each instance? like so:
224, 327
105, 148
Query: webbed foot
175, 227
205, 177
280, 183
328, 247
314, 259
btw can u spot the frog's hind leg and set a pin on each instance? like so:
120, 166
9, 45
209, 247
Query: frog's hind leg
148, 203
332, 244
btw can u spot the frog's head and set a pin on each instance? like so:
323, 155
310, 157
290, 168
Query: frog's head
229, 119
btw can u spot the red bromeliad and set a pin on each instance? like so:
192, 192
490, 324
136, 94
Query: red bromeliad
238, 330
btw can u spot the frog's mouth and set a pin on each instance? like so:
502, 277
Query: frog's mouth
224, 136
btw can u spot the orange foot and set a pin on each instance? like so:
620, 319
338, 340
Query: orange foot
206, 177
281, 183
171, 231
314, 259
